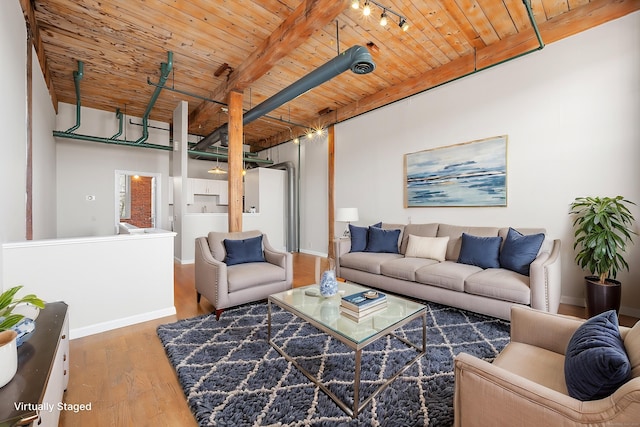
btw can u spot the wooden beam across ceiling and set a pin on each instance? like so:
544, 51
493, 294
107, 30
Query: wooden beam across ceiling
309, 17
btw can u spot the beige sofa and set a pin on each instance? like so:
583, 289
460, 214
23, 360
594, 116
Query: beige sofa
489, 291
231, 285
527, 380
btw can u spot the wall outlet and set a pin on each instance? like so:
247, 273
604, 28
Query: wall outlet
90, 198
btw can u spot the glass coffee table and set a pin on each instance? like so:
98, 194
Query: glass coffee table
324, 314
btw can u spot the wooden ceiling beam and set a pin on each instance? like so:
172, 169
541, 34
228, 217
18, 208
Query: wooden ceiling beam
580, 19
32, 24
309, 17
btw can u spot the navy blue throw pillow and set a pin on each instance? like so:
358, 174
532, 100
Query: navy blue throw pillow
596, 363
242, 251
381, 240
519, 251
483, 252
359, 237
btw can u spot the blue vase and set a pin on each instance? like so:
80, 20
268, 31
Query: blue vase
328, 284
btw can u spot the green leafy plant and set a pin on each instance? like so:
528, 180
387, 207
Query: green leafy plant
602, 230
8, 302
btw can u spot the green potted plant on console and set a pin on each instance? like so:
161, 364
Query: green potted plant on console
603, 228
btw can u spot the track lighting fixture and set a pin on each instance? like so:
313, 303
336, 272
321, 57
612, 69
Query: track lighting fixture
384, 17
366, 10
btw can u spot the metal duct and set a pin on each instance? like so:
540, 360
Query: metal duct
165, 69
356, 58
293, 239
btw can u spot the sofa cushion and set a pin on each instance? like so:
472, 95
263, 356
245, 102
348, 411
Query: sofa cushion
381, 240
359, 237
499, 283
427, 247
483, 252
519, 251
422, 230
248, 275
596, 362
455, 233
369, 262
405, 268
446, 274
243, 250
632, 345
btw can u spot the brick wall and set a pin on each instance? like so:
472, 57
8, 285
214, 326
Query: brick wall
141, 201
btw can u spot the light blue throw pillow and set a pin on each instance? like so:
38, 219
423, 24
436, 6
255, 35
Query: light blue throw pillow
243, 251
382, 241
483, 252
519, 251
596, 363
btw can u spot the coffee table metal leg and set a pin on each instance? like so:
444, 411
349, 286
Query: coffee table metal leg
268, 320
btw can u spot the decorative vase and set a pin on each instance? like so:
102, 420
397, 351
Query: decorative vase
8, 356
328, 282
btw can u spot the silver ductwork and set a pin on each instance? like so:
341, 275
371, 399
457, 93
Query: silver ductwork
293, 214
356, 58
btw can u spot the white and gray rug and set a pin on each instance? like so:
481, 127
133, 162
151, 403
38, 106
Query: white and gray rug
233, 377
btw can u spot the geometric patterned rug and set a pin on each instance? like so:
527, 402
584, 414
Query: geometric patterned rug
231, 376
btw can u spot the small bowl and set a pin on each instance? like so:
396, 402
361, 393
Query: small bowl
371, 294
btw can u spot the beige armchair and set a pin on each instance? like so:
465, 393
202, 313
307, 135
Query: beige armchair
231, 285
525, 385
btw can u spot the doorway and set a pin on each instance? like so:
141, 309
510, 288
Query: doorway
136, 196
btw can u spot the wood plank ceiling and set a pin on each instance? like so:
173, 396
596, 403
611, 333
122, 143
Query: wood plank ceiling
269, 44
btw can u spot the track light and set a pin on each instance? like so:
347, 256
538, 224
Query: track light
383, 18
366, 10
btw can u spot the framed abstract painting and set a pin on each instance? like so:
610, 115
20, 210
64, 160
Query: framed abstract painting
462, 175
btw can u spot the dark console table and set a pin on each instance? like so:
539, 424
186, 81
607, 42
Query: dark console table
43, 372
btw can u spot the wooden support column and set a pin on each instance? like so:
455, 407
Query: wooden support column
235, 161
29, 189
331, 187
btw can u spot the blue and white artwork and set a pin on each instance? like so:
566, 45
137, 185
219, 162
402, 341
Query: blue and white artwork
469, 174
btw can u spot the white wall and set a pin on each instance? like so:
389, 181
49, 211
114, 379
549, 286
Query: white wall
13, 118
310, 159
88, 168
571, 112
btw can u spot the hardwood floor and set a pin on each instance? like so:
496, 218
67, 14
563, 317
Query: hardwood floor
126, 377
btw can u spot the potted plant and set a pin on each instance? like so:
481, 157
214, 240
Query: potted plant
602, 230
8, 336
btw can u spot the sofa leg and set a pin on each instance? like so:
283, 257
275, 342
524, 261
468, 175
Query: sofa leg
218, 313
198, 295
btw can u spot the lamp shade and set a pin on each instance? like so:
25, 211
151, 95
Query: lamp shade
347, 214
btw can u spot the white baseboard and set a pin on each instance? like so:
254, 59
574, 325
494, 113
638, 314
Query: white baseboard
119, 323
306, 251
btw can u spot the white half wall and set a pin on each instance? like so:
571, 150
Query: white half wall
115, 281
571, 113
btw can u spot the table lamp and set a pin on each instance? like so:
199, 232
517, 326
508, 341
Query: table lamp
347, 215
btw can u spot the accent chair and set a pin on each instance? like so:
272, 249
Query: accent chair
239, 267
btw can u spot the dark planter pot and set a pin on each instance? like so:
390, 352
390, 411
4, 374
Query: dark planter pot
602, 297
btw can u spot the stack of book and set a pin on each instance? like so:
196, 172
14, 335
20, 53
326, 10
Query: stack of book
362, 305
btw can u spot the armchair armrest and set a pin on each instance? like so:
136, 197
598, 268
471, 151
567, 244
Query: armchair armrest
545, 280
210, 274
279, 258
480, 386
541, 329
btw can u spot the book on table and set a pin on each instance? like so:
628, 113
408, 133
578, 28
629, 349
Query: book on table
362, 313
359, 302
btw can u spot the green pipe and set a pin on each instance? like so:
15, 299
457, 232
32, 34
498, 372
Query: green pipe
70, 135
527, 4
120, 117
77, 76
165, 69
